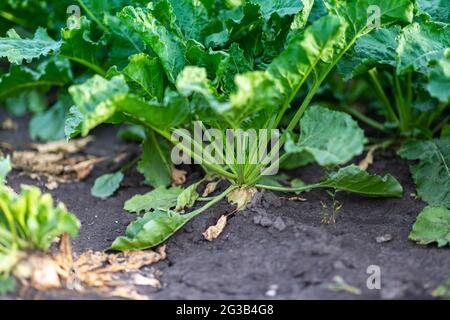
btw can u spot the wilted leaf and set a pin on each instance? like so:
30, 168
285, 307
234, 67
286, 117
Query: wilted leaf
178, 176
242, 197
187, 198
63, 146
365, 163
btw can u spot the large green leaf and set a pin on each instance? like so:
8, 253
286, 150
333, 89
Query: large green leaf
152, 229
331, 137
16, 49
167, 44
353, 179
49, 125
155, 163
436, 10
419, 44
432, 173
96, 100
356, 14
192, 17
159, 198
376, 49
432, 225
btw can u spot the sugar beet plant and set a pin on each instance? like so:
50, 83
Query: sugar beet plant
409, 70
228, 65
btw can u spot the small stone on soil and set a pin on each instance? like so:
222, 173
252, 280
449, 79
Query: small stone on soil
279, 224
272, 292
384, 238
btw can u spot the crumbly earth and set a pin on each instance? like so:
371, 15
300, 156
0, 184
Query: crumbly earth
277, 249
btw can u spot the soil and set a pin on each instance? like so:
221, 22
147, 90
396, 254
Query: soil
277, 249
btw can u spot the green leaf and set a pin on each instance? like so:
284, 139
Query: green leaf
439, 83
353, 179
192, 17
105, 186
21, 79
255, 92
376, 49
16, 49
236, 64
187, 198
5, 168
355, 13
331, 137
419, 44
168, 45
145, 76
155, 163
27, 101
292, 68
73, 124
122, 42
133, 133
443, 291
432, 173
281, 8
78, 46
436, 10
96, 100
50, 125
7, 285
301, 18
151, 230
159, 198
432, 225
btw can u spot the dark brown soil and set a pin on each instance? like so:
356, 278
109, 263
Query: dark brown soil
277, 249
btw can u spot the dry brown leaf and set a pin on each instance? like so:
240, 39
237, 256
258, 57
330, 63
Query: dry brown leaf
178, 176
72, 146
214, 231
52, 185
210, 188
368, 160
241, 197
55, 166
84, 168
9, 124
